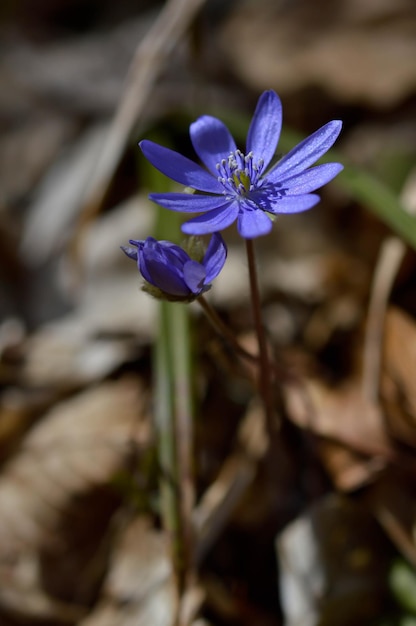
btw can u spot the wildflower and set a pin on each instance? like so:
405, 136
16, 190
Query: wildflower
170, 272
238, 186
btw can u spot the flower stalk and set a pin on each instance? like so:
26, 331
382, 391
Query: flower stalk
247, 187
264, 381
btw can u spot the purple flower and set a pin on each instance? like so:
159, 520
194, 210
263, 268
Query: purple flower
169, 271
236, 185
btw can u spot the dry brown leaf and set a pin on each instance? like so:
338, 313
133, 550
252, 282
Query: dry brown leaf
393, 501
398, 389
354, 446
76, 448
139, 590
348, 470
357, 55
19, 409
343, 415
80, 443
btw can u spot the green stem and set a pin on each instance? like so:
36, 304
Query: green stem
183, 413
173, 413
174, 420
265, 369
163, 402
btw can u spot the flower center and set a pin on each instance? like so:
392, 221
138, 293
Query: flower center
239, 173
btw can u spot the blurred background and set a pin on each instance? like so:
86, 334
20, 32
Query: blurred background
322, 529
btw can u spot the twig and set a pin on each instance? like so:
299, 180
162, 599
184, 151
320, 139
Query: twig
388, 263
151, 55
234, 478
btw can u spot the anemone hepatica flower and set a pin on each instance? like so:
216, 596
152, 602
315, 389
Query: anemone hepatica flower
170, 273
238, 186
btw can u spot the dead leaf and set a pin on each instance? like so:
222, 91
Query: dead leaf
66, 354
86, 73
393, 501
353, 445
333, 562
79, 443
398, 388
354, 54
139, 589
343, 415
58, 198
22, 164
348, 470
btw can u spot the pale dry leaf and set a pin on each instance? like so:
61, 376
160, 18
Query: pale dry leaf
22, 163
333, 563
58, 197
66, 354
86, 73
100, 250
113, 319
22, 593
80, 443
139, 589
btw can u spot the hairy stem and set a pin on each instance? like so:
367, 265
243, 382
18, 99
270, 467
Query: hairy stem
264, 381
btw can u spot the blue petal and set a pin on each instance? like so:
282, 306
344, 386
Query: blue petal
188, 202
167, 277
212, 141
173, 255
306, 153
179, 168
264, 132
215, 256
214, 220
166, 251
130, 252
253, 223
294, 204
194, 274
141, 260
312, 179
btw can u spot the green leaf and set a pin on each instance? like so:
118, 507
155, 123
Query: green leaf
376, 196
403, 585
